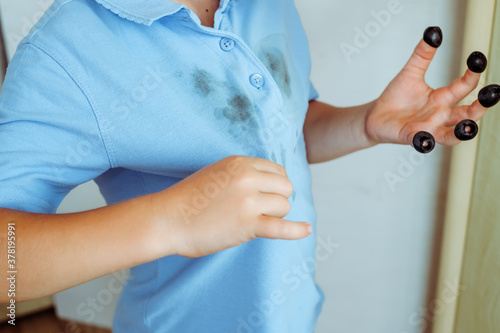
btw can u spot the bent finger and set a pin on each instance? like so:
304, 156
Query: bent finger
460, 88
475, 111
276, 228
261, 164
274, 205
463, 86
446, 136
274, 183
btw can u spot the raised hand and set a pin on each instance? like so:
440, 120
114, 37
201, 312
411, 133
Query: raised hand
411, 112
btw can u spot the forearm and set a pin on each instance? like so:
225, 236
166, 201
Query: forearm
331, 132
58, 251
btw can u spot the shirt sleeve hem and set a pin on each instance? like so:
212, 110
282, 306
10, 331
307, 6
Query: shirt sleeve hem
10, 197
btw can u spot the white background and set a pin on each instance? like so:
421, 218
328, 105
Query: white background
378, 278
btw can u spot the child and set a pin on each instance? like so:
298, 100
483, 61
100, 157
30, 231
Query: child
197, 120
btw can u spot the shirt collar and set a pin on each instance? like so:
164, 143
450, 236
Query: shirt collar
146, 11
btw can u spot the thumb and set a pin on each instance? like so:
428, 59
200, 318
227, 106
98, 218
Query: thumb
424, 52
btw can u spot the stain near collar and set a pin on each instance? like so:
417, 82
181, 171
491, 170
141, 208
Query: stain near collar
276, 64
202, 82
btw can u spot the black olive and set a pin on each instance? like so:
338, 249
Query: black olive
460, 132
489, 95
424, 142
433, 36
477, 62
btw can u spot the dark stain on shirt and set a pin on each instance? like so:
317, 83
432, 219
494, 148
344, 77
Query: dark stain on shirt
239, 109
276, 64
202, 82
240, 118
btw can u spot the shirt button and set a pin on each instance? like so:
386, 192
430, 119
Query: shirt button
257, 80
226, 44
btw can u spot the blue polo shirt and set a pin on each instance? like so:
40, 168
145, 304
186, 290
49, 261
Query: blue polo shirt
137, 95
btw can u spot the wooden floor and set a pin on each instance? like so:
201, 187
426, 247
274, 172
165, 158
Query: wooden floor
47, 322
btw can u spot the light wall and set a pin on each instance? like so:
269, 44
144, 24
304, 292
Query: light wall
378, 278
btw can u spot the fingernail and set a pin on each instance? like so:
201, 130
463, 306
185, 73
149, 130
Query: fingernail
309, 229
477, 62
460, 132
489, 95
424, 142
433, 36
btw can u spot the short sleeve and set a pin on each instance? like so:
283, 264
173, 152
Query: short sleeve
50, 141
313, 93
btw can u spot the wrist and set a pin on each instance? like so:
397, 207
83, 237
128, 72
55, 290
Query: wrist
160, 221
363, 125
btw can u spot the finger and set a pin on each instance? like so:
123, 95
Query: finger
273, 205
273, 183
276, 228
424, 52
462, 87
446, 136
475, 111
264, 165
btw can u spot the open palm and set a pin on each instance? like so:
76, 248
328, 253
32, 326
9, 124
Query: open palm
408, 105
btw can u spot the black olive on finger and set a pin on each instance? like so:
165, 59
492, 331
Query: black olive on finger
489, 95
424, 142
477, 62
461, 130
433, 36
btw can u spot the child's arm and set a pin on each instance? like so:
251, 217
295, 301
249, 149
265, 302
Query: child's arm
408, 105
331, 132
222, 205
